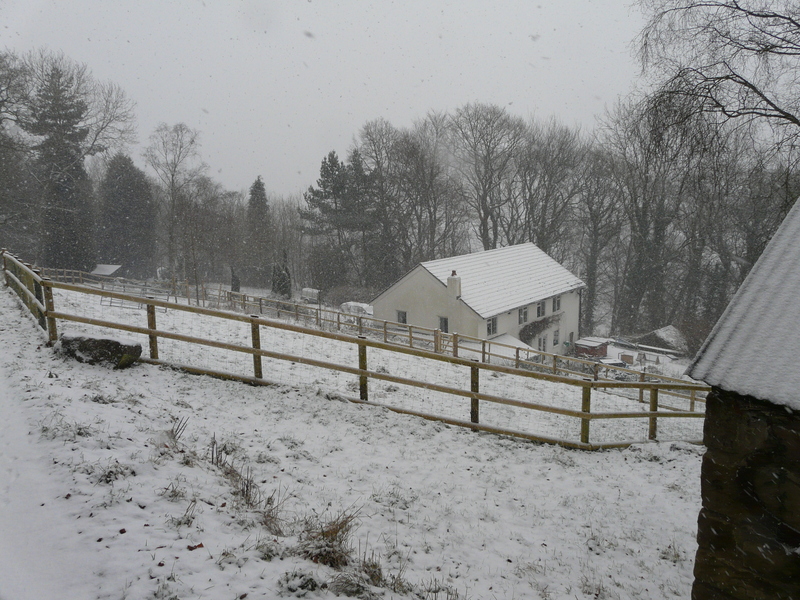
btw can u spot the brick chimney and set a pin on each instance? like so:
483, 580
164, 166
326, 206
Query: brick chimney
454, 286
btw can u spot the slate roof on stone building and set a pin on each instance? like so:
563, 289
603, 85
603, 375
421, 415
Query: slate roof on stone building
754, 348
496, 281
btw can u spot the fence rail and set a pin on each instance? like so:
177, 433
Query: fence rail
479, 363
453, 344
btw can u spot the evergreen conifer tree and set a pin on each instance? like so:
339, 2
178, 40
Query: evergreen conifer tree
56, 117
126, 219
258, 249
282, 278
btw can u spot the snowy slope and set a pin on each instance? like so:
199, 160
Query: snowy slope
98, 500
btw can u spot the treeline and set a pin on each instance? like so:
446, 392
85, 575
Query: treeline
71, 197
661, 210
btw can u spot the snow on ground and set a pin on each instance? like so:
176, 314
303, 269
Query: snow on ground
103, 496
547, 425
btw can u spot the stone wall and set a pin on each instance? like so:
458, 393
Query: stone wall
749, 526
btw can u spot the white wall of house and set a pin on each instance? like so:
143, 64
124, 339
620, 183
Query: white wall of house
424, 299
569, 317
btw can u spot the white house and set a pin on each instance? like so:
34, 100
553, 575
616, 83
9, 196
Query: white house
517, 290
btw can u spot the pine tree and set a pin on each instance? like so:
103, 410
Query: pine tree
258, 234
56, 117
282, 278
341, 214
126, 219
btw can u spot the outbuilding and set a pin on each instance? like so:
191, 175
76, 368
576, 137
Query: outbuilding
517, 290
749, 525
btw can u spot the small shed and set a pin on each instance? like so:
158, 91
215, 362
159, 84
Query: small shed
593, 347
749, 525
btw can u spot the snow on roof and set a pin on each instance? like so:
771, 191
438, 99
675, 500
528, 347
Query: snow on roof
105, 269
592, 342
496, 281
672, 336
754, 346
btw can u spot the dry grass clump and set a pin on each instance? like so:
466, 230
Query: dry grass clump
298, 583
271, 513
327, 542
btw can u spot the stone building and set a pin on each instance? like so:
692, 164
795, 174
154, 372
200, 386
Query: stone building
749, 525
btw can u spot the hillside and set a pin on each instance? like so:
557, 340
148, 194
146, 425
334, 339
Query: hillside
105, 494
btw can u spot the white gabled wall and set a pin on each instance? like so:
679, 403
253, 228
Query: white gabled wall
424, 299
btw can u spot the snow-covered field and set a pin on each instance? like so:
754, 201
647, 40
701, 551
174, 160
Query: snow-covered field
102, 495
546, 425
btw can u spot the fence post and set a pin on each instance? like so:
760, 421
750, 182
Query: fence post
39, 293
297, 313
385, 333
483, 351
260, 305
360, 327
256, 332
596, 370
5, 267
641, 389
474, 385
692, 397
151, 324
338, 321
410, 336
653, 432
362, 365
319, 317
52, 333
516, 357
455, 345
437, 341
555, 364
586, 406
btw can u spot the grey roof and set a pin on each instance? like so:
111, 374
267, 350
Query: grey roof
496, 281
754, 347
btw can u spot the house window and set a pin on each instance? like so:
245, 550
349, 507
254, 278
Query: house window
556, 303
402, 317
555, 338
491, 326
540, 309
523, 315
443, 324
543, 343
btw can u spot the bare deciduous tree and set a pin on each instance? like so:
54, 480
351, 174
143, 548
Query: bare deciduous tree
486, 139
737, 58
173, 153
542, 194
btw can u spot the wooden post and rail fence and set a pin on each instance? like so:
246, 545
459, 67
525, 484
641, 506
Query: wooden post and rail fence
36, 293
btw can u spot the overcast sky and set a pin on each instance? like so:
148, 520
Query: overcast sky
274, 86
